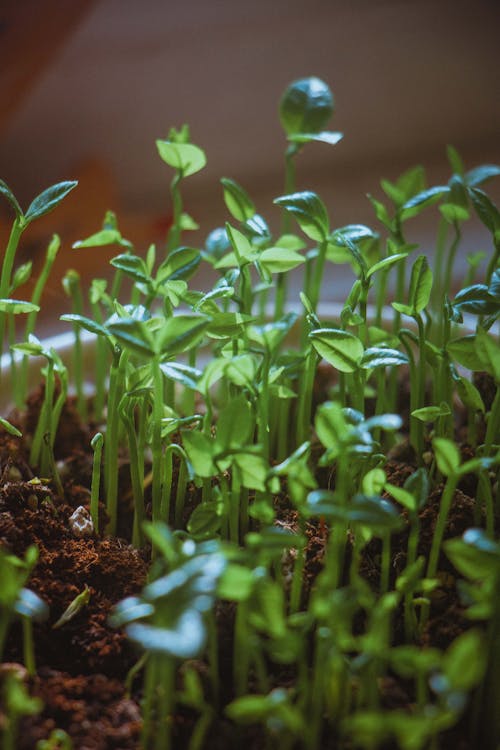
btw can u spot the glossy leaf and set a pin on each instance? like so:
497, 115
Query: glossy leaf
420, 284
385, 263
310, 213
8, 427
447, 456
185, 157
324, 136
378, 356
422, 200
476, 299
100, 239
306, 106
237, 200
478, 175
180, 264
253, 470
280, 260
48, 200
431, 413
339, 348
485, 209
199, 450
11, 198
132, 265
17, 306
235, 424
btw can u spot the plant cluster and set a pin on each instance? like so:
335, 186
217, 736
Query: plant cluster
207, 391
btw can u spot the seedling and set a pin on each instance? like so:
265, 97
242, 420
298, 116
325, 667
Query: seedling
294, 519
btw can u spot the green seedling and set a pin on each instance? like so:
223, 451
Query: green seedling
167, 620
281, 497
79, 602
16, 600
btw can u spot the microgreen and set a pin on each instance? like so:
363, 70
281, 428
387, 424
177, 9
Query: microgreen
281, 497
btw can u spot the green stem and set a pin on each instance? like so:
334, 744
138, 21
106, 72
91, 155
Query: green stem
5, 278
28, 647
174, 233
111, 444
156, 437
96, 444
493, 427
304, 406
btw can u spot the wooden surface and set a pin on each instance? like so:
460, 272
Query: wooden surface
32, 33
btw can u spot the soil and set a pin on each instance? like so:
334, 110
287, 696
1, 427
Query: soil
82, 666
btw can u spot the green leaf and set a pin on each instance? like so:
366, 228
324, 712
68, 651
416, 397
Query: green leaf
179, 333
21, 275
280, 260
310, 213
453, 213
465, 661
469, 395
242, 370
183, 374
463, 350
420, 284
228, 324
306, 106
488, 352
76, 605
447, 456
402, 496
185, 157
88, 324
236, 583
431, 413
11, 198
237, 200
48, 200
381, 212
485, 209
455, 160
16, 306
478, 175
475, 555
374, 481
340, 348
235, 424
8, 427
418, 484
180, 264
199, 449
378, 356
205, 520
422, 200
324, 136
253, 469
476, 299
133, 266
100, 239
183, 641
385, 263
134, 335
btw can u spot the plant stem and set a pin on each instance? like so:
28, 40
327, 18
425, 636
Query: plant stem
8, 263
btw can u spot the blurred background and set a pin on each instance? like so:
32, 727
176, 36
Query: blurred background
88, 85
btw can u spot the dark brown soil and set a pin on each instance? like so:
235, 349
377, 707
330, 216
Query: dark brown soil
81, 667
